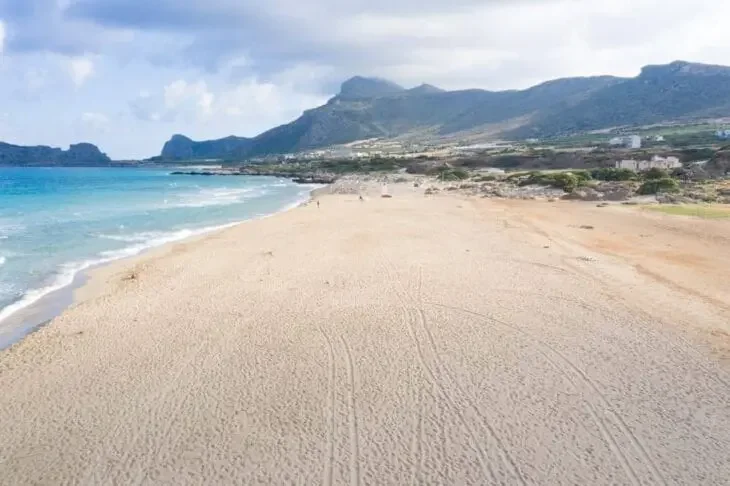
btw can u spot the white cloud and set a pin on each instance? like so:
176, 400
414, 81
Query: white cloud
183, 98
95, 121
4, 124
500, 45
35, 79
205, 104
490, 44
2, 36
253, 100
244, 66
80, 69
146, 107
249, 106
191, 102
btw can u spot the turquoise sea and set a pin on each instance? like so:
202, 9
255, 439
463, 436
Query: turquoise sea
57, 222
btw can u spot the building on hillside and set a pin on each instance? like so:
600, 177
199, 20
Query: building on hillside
631, 142
616, 141
656, 162
723, 134
630, 164
341, 152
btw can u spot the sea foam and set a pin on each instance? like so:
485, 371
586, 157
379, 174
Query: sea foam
65, 221
68, 271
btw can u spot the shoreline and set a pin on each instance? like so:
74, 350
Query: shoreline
29, 317
373, 336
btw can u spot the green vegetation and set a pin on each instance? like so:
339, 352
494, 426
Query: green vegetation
654, 173
577, 141
611, 174
515, 176
546, 159
655, 180
446, 173
656, 186
330, 166
485, 178
567, 181
692, 139
345, 166
510, 161
700, 211
694, 155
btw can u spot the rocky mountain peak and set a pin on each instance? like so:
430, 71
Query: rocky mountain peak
362, 87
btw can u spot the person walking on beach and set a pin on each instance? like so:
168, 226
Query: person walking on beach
317, 203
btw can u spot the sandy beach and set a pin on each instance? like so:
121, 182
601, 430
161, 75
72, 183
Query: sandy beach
410, 340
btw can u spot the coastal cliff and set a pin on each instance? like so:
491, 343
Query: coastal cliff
78, 155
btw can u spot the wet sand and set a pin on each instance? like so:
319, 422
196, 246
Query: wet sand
412, 340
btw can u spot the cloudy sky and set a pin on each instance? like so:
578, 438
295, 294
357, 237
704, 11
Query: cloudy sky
126, 74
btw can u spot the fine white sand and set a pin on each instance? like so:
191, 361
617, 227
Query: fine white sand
412, 340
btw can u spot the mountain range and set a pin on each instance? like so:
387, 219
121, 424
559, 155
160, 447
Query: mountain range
78, 155
375, 108
367, 108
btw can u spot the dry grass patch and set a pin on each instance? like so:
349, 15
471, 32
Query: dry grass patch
696, 210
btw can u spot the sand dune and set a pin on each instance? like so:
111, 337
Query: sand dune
409, 340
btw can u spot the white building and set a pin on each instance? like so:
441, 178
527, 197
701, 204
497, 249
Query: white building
657, 162
616, 141
723, 134
628, 164
631, 141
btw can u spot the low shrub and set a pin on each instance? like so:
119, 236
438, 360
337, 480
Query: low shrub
655, 186
611, 174
655, 173
514, 176
567, 181
451, 174
583, 176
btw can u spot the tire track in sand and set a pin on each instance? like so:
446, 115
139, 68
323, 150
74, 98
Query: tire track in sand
501, 449
421, 313
417, 442
546, 349
408, 322
330, 458
352, 410
686, 348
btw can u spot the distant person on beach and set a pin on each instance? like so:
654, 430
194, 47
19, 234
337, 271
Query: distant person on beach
318, 204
